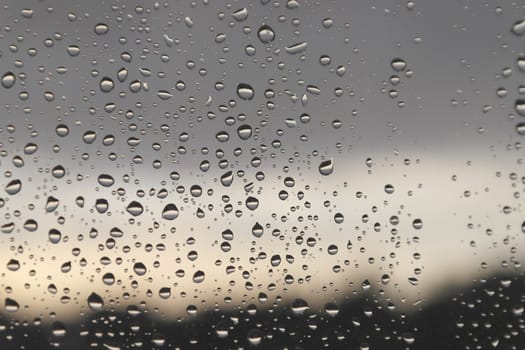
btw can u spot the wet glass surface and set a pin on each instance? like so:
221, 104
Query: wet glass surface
262, 174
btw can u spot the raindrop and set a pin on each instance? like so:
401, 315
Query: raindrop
257, 230
54, 236
520, 129
299, 306
326, 167
51, 204
252, 203
106, 84
13, 265
95, 302
245, 91
296, 48
170, 212
398, 64
241, 14
73, 50
11, 305
8, 80
105, 180
135, 208
58, 329
62, 130
164, 95
266, 34
244, 132
165, 292
518, 28
417, 224
227, 178
198, 276
89, 137
331, 309
13, 187
101, 28
140, 269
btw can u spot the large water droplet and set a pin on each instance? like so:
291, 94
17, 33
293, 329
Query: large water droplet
101, 28
257, 230
11, 305
95, 302
170, 212
198, 276
518, 28
13, 187
106, 84
8, 80
326, 167
135, 208
520, 129
245, 91
266, 34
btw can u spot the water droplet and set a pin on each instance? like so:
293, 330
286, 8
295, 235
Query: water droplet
11, 305
95, 302
135, 208
520, 129
165, 292
398, 64
62, 130
13, 187
13, 265
227, 178
241, 14
140, 269
331, 309
244, 131
51, 204
58, 329
54, 236
106, 84
257, 230
198, 276
326, 167
518, 28
108, 279
245, 91
417, 224
101, 28
296, 48
105, 180
73, 50
89, 137
8, 80
170, 212
266, 34
252, 203
164, 95
299, 306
